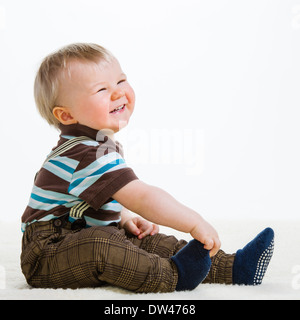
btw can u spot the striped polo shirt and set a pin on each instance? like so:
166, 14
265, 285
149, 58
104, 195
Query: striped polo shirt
80, 181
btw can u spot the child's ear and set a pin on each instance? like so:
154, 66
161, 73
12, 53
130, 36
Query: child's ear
63, 115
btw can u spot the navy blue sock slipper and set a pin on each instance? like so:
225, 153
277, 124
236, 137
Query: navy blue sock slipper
251, 262
193, 264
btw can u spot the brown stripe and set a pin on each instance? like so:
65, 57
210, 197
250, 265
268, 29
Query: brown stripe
34, 214
103, 189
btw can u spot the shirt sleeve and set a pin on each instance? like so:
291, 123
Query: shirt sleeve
99, 177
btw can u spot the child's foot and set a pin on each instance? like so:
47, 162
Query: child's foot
193, 264
251, 262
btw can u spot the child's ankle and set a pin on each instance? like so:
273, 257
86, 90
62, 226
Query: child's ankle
193, 264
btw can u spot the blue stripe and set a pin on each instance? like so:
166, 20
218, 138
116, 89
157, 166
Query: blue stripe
46, 200
107, 167
100, 171
62, 166
98, 163
52, 194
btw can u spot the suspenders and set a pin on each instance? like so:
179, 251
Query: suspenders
66, 146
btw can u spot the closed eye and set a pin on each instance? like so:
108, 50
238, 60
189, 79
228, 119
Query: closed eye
103, 89
121, 81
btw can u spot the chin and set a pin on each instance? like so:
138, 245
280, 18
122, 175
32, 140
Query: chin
122, 124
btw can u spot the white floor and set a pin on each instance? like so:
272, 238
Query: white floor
282, 280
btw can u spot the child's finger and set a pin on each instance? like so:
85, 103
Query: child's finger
133, 228
146, 232
213, 252
155, 229
216, 247
208, 244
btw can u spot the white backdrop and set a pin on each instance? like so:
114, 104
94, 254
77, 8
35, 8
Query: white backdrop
217, 85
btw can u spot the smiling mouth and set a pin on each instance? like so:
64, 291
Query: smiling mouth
118, 109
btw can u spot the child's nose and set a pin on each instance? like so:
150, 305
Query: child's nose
117, 94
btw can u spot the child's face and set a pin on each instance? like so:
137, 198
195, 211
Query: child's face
98, 96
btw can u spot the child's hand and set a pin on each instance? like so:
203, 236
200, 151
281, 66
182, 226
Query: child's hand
140, 227
207, 235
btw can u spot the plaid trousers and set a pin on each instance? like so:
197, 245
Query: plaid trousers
55, 256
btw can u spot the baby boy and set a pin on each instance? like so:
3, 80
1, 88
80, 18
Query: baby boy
78, 227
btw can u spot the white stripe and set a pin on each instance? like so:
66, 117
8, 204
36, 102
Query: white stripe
117, 207
89, 181
96, 165
91, 222
68, 137
91, 143
34, 204
53, 195
59, 172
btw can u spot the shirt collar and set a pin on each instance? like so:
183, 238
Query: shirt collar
78, 130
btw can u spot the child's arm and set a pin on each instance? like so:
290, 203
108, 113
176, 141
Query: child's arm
156, 205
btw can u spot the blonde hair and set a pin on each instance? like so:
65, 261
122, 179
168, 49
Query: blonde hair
47, 81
